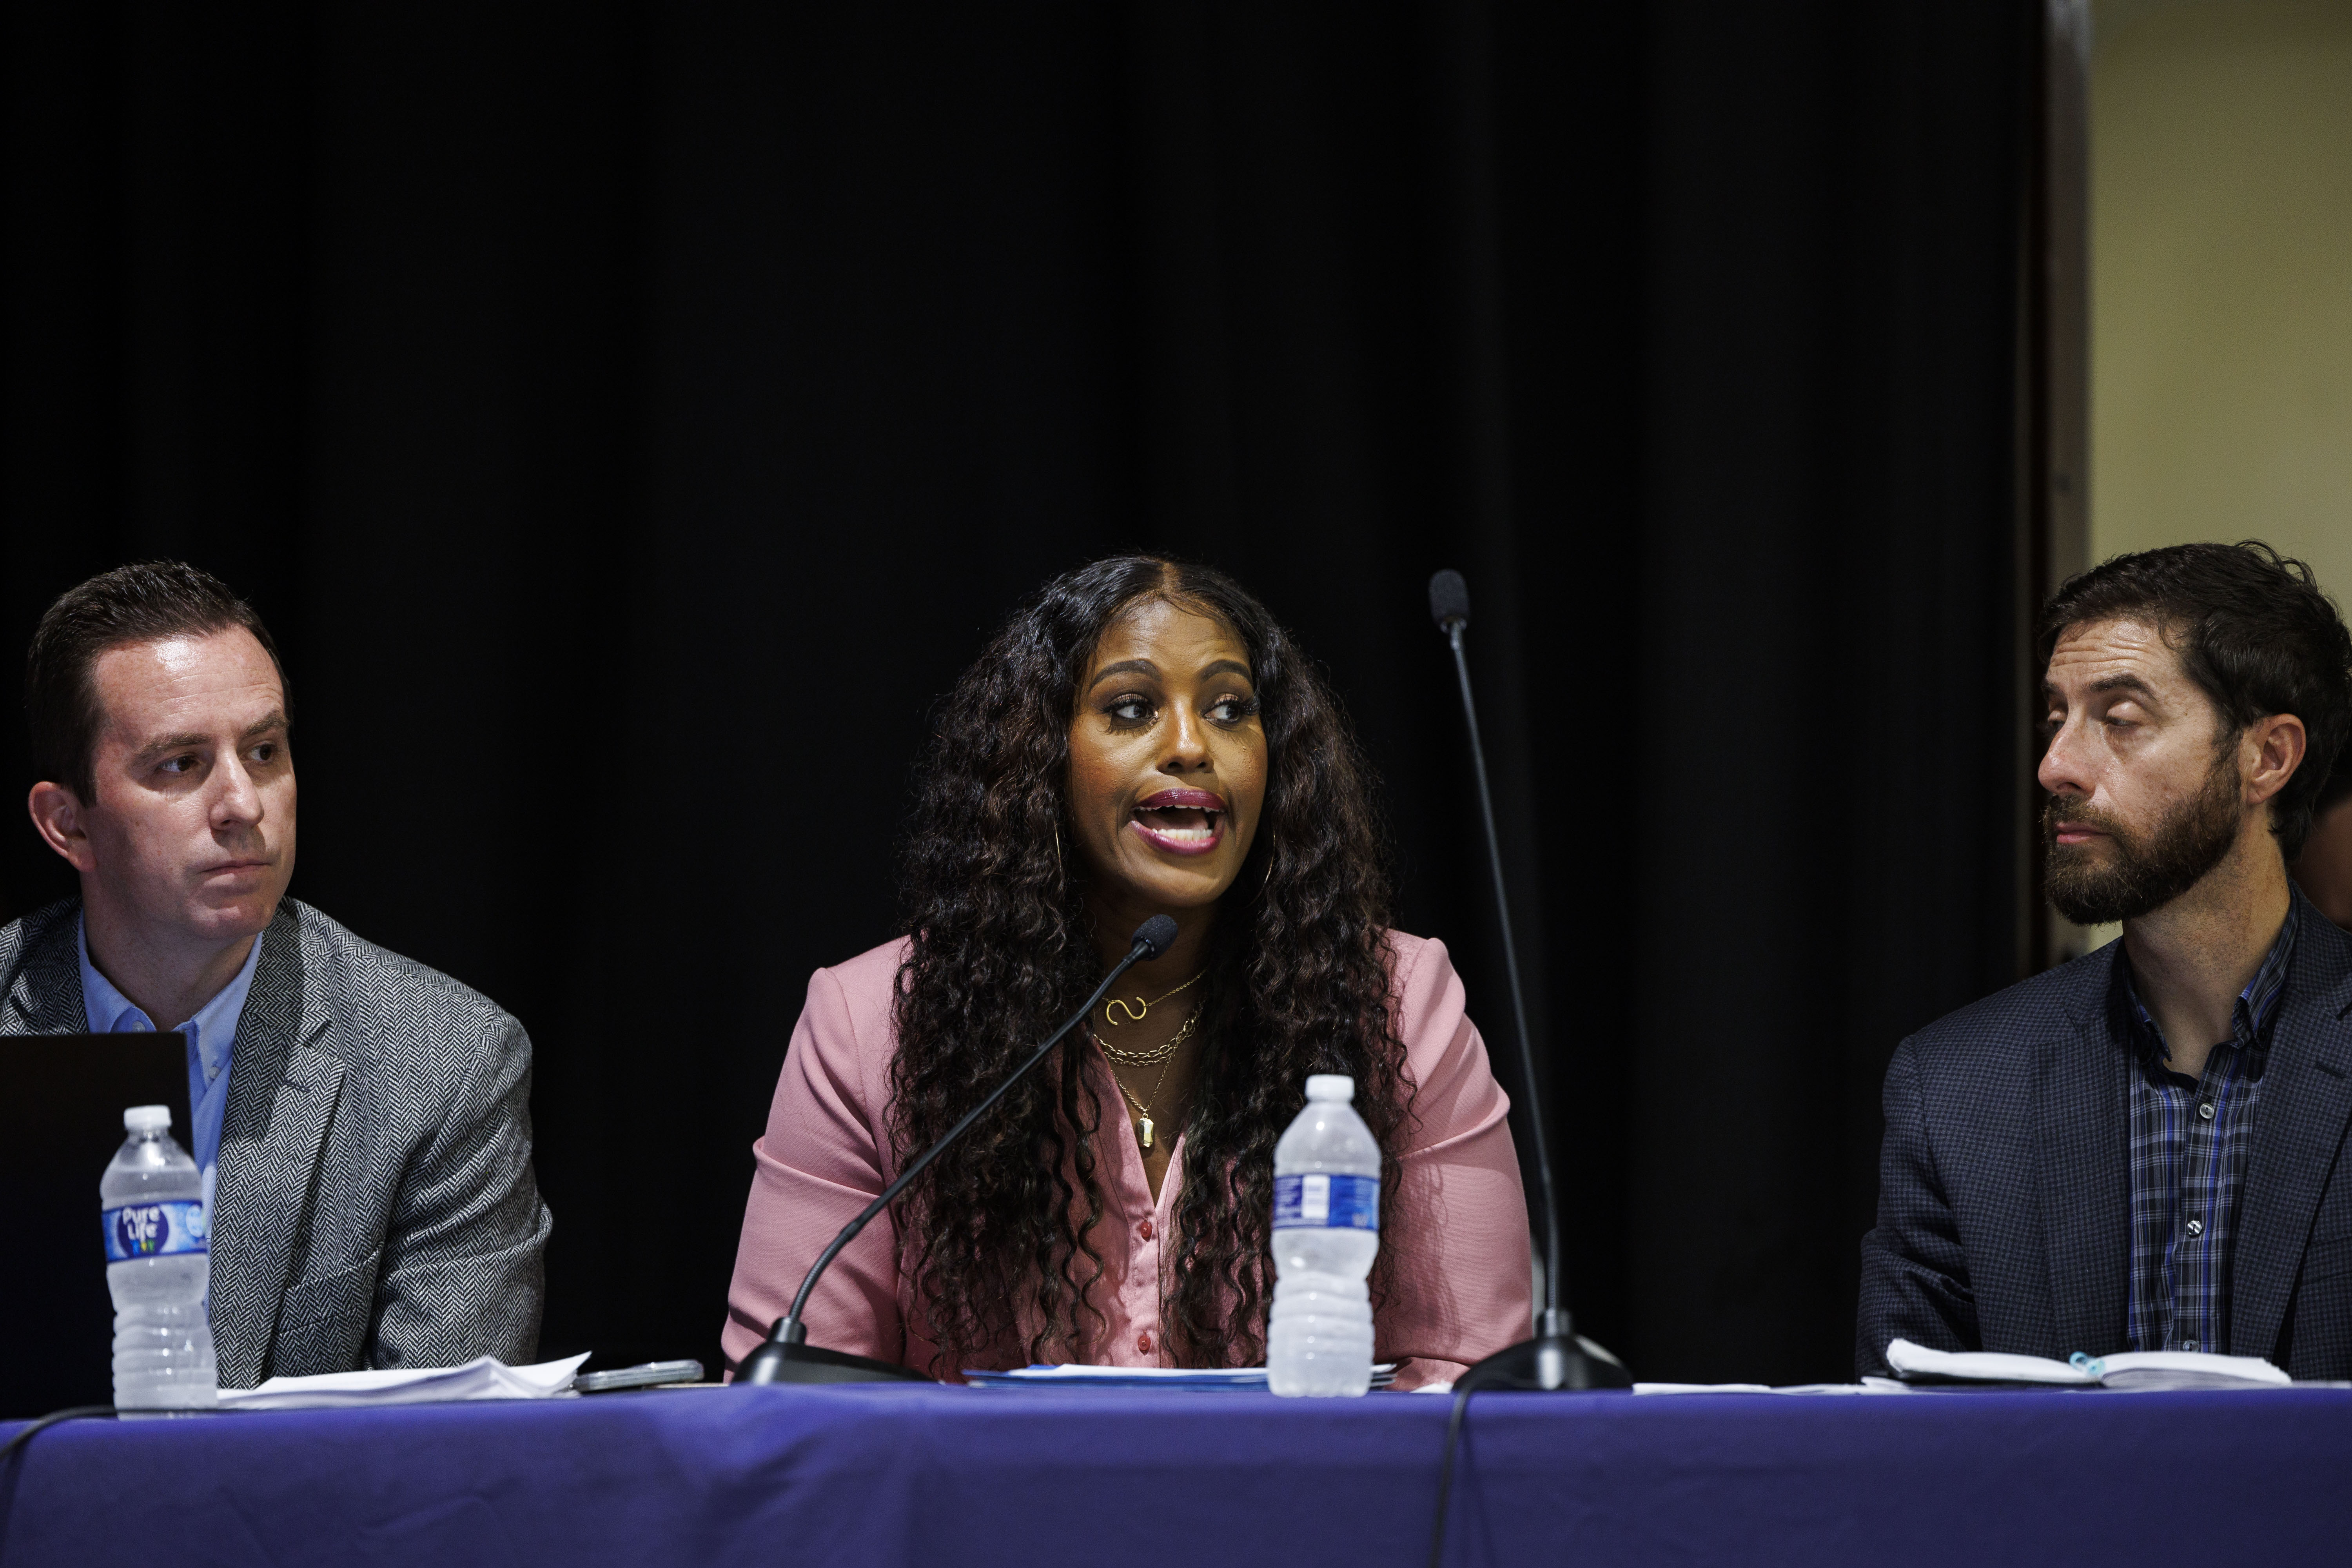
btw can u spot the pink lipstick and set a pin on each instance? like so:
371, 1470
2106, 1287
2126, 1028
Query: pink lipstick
1181, 821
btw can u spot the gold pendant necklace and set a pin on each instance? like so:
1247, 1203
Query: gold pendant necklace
1145, 1129
1143, 1125
1137, 1010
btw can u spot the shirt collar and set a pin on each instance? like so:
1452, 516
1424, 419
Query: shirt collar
2252, 1014
212, 1032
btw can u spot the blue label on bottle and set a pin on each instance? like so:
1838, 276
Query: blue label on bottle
1326, 1201
155, 1231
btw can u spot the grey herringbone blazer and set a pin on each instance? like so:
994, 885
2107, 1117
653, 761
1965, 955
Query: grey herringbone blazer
2004, 1189
375, 1204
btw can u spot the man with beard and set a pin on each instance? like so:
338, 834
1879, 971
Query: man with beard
2146, 1148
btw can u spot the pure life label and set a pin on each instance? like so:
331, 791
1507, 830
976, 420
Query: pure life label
1326, 1201
154, 1230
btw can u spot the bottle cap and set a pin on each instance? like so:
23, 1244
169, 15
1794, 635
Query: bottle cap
1336, 1085
148, 1119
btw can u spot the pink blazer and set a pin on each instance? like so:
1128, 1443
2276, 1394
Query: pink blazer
1458, 1239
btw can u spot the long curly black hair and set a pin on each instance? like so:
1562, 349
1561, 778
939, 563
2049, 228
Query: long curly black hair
1001, 1229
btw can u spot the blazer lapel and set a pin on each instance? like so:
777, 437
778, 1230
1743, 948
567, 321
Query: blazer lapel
2306, 1104
2082, 1155
281, 1096
43, 995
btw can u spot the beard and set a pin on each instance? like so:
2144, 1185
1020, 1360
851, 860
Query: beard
2147, 870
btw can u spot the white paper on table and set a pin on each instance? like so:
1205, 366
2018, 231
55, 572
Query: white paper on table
1701, 1388
485, 1377
1867, 1385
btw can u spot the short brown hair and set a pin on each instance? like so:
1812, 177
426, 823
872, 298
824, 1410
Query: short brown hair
2252, 630
143, 602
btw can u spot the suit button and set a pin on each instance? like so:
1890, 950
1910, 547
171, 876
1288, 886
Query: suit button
1144, 1230
2196, 1227
1143, 1342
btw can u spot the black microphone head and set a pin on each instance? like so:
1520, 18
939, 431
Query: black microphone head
1156, 936
1449, 600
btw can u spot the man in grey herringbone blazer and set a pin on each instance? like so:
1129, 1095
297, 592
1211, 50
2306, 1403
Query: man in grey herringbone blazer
375, 1204
2146, 1148
361, 1125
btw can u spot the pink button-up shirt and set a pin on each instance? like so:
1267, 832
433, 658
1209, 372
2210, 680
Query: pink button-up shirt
1457, 1240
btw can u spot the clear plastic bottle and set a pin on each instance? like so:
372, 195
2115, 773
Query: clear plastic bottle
1327, 1231
158, 1267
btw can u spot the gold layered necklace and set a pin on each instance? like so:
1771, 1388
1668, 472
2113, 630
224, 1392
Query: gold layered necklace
1145, 1129
1159, 1053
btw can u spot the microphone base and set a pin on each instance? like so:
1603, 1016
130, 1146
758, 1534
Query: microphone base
1545, 1363
777, 1363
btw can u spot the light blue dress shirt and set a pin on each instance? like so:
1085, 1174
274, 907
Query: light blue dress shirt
211, 1038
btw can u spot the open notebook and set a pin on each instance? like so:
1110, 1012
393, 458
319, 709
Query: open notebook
2131, 1369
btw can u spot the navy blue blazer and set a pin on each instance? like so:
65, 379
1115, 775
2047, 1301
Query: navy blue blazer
2004, 1183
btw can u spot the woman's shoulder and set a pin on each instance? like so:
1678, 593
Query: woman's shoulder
1455, 1089
1427, 997
1418, 965
859, 990
874, 969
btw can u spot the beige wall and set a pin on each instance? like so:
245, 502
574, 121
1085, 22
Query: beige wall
2221, 277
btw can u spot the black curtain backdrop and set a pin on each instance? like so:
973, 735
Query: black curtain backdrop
630, 420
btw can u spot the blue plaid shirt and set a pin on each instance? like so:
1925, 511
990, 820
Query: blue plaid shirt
2189, 1140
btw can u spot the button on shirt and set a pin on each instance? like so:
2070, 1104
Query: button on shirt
211, 1037
2190, 1141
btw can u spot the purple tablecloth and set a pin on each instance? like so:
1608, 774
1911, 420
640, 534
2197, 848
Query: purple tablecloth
864, 1475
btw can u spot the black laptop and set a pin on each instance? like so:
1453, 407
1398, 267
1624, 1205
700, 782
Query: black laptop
62, 1102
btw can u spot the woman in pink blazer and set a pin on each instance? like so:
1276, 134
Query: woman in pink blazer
1142, 739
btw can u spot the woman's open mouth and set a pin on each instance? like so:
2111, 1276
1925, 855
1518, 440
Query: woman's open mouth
1182, 821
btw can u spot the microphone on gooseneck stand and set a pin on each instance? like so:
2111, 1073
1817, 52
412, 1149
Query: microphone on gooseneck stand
1557, 1357
786, 1356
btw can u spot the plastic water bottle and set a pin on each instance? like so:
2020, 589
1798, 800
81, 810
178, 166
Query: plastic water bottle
158, 1267
1327, 1231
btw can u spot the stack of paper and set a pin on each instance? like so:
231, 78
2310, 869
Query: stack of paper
1867, 1385
1172, 1379
2131, 1369
485, 1378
